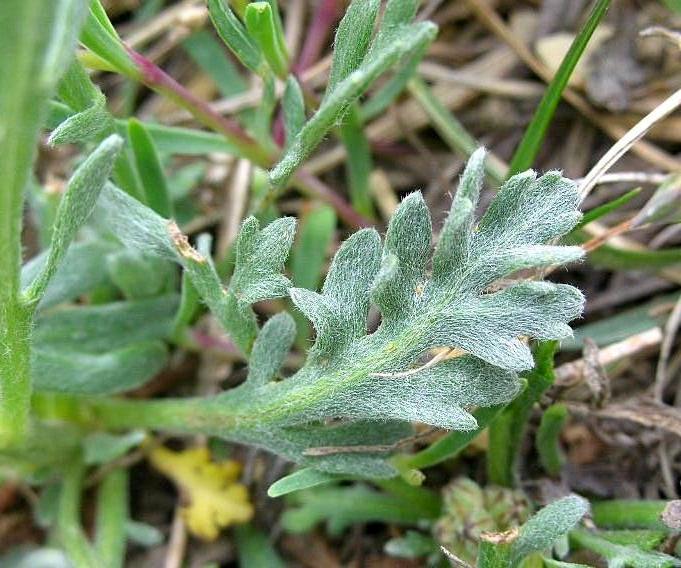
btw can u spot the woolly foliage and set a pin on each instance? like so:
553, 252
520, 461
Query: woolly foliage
373, 382
260, 258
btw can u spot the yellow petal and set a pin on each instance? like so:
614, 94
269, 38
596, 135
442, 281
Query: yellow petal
214, 499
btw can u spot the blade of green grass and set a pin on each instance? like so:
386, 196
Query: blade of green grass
534, 135
150, 169
606, 208
359, 163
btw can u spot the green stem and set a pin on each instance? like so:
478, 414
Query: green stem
450, 445
158, 80
27, 28
548, 439
496, 549
625, 514
507, 431
69, 529
112, 516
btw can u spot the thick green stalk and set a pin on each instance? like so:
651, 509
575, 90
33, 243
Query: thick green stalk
244, 415
496, 549
507, 431
32, 39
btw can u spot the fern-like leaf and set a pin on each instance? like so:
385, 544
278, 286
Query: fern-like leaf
363, 389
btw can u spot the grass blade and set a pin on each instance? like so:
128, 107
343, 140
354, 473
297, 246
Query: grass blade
534, 135
150, 169
359, 163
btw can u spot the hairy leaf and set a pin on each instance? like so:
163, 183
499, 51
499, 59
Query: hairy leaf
260, 257
357, 392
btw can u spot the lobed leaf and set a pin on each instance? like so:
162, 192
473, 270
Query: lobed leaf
270, 349
260, 257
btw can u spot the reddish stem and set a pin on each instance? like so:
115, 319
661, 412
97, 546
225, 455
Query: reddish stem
312, 185
158, 80
325, 17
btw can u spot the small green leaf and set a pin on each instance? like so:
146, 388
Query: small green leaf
143, 534
100, 37
352, 40
260, 23
548, 525
359, 163
104, 373
270, 349
83, 126
621, 556
305, 478
410, 40
340, 508
150, 169
235, 36
548, 438
102, 447
293, 105
76, 205
255, 549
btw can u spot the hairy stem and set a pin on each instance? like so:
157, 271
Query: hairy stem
158, 80
25, 41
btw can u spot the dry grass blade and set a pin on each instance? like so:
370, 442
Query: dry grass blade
628, 140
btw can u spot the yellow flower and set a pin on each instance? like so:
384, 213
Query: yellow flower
213, 498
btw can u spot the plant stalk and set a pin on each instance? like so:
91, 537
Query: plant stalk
496, 549
27, 78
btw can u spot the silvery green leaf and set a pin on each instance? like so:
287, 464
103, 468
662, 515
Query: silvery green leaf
548, 525
352, 40
75, 208
102, 373
260, 257
84, 126
270, 349
339, 313
103, 327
